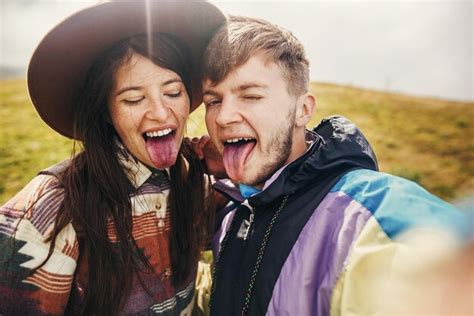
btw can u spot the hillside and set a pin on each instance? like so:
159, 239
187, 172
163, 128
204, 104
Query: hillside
425, 140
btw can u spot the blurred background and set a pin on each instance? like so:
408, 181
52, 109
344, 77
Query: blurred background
401, 70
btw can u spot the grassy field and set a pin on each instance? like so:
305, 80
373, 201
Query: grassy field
425, 140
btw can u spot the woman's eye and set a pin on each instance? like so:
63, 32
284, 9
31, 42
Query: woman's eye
174, 94
132, 101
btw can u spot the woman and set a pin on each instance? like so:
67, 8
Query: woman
117, 229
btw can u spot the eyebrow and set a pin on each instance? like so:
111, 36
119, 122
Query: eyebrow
167, 82
242, 87
210, 92
246, 86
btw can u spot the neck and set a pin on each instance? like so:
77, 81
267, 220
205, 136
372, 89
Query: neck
298, 145
297, 150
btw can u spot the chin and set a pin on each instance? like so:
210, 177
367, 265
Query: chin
259, 178
248, 180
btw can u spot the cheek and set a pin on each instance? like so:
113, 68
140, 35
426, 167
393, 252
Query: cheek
185, 114
124, 120
212, 130
207, 120
210, 118
181, 110
115, 119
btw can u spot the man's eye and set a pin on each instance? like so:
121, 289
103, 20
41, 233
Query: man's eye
252, 97
212, 102
132, 101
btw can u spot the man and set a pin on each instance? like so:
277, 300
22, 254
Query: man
316, 223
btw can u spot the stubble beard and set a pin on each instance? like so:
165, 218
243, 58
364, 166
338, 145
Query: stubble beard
279, 147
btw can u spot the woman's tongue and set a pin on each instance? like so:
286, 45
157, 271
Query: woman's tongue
234, 159
162, 151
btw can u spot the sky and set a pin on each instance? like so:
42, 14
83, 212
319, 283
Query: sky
422, 47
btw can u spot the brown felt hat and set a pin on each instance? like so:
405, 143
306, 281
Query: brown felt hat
61, 61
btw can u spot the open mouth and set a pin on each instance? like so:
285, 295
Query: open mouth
159, 134
161, 147
236, 152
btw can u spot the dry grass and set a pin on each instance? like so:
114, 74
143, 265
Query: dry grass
426, 140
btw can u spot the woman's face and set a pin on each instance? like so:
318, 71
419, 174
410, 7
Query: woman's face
149, 106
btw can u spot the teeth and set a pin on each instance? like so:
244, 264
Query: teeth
235, 140
159, 133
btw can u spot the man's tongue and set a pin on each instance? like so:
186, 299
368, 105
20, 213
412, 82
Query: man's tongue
234, 158
162, 151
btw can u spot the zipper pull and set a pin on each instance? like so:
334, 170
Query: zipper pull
247, 232
250, 221
246, 225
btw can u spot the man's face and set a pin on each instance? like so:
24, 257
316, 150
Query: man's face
250, 117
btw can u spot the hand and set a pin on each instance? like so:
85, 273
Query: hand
207, 151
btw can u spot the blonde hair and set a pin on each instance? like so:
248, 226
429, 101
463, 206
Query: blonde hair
241, 37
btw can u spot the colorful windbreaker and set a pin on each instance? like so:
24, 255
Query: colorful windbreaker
334, 246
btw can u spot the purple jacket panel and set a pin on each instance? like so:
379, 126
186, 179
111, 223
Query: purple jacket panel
315, 262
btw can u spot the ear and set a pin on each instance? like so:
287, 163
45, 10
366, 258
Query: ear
305, 108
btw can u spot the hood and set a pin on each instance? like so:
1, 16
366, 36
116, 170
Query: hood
338, 145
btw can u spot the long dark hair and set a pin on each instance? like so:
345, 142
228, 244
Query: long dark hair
97, 188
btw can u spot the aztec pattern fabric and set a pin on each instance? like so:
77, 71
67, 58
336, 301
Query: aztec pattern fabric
30, 216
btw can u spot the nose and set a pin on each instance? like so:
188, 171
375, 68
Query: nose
157, 110
228, 113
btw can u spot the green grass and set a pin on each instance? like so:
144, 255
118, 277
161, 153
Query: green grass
424, 140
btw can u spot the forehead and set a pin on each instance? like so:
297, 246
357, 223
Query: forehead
141, 69
258, 70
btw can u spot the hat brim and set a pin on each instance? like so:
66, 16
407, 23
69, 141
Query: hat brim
60, 63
